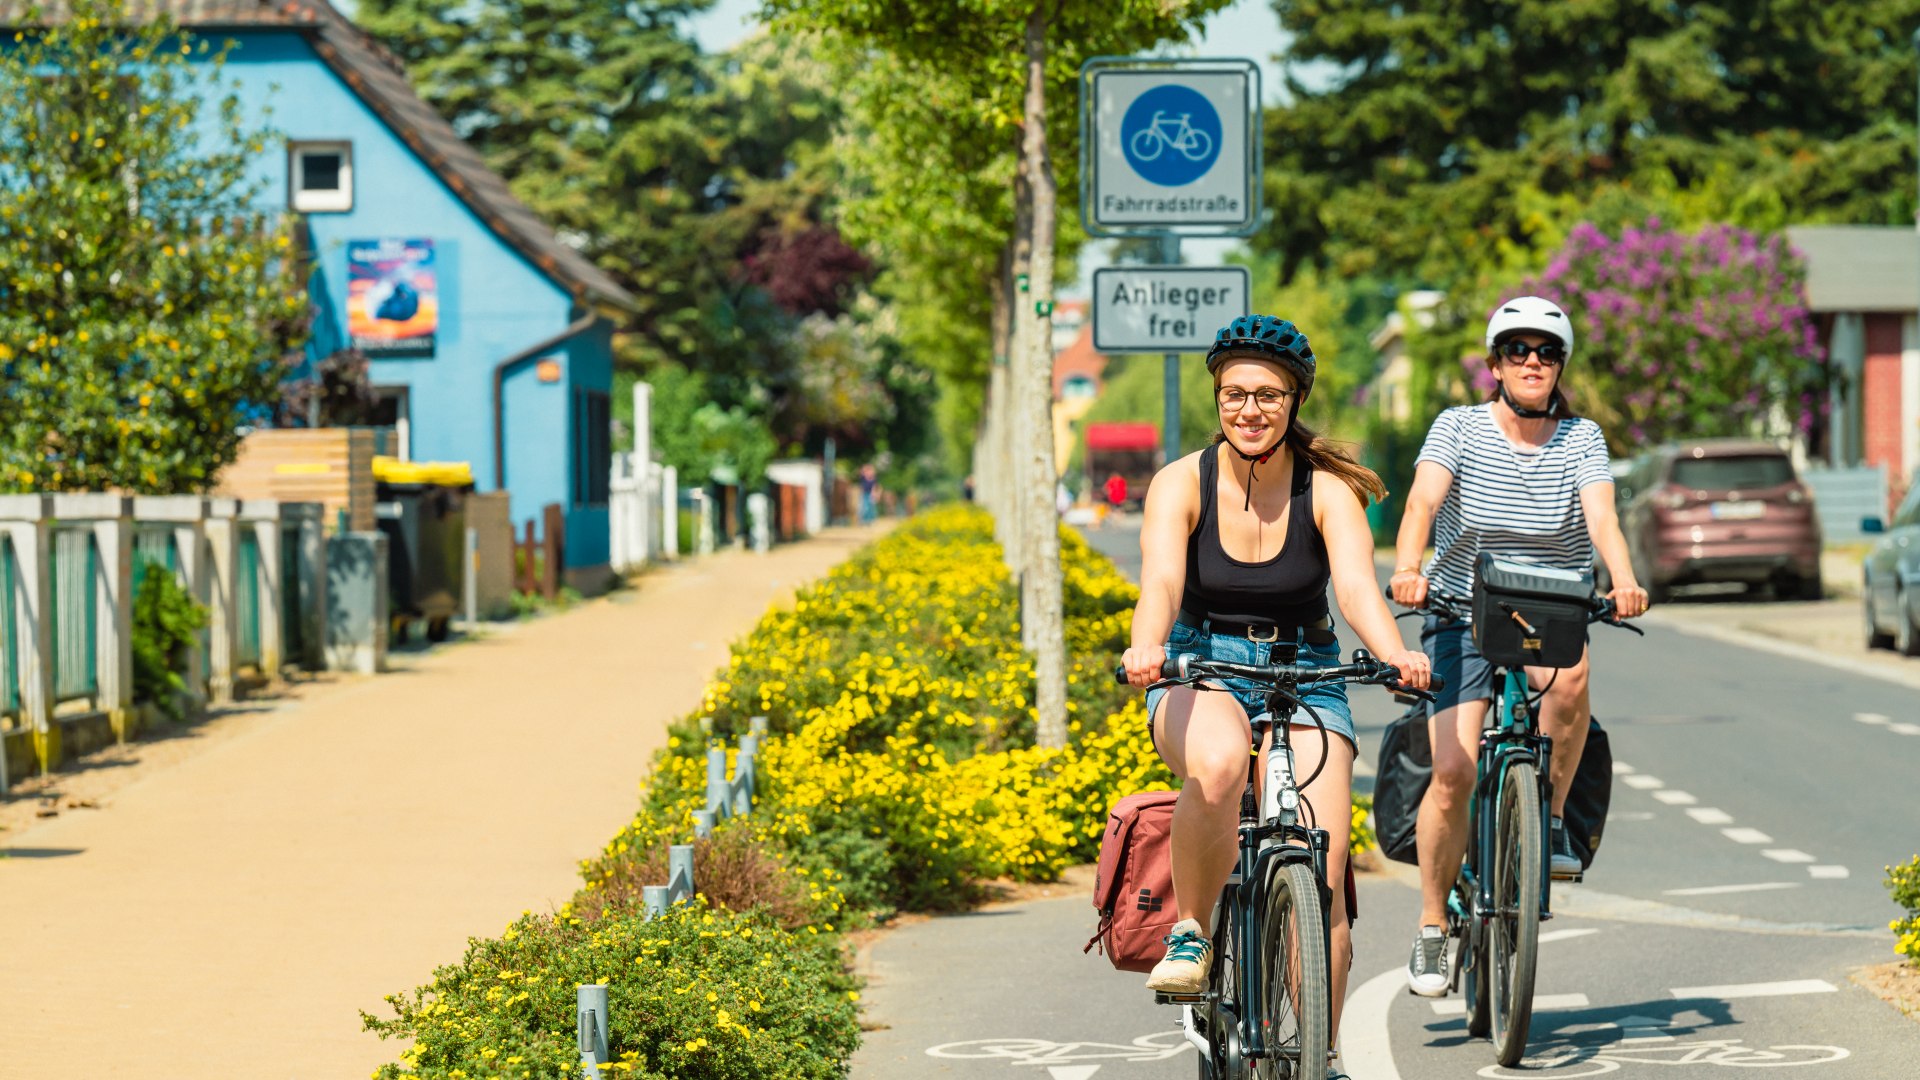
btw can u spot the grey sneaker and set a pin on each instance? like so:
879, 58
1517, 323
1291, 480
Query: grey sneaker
1427, 969
1564, 865
1189, 957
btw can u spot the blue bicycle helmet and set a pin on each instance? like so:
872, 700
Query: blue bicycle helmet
1265, 337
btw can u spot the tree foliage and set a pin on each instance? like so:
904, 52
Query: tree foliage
1449, 128
148, 307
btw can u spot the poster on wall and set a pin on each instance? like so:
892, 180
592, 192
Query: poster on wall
393, 299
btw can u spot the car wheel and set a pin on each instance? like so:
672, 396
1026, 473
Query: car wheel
1809, 588
1875, 638
1906, 636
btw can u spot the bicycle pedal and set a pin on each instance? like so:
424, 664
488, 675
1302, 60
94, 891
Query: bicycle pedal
1161, 997
1569, 879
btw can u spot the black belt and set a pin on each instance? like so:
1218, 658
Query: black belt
1314, 633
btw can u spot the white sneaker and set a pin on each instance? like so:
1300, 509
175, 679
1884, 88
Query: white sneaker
1189, 958
1427, 969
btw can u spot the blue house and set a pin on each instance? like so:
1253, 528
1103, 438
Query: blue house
490, 338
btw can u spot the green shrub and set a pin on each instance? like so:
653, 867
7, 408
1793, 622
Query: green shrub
695, 995
1904, 883
166, 623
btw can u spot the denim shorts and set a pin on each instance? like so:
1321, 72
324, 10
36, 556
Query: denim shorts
1455, 658
1328, 700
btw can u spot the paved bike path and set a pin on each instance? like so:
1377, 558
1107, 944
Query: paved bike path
230, 915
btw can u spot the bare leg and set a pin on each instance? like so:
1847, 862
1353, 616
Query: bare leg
1563, 717
1205, 739
1441, 832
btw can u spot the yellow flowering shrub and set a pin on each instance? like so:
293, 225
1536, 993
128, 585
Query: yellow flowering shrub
1904, 883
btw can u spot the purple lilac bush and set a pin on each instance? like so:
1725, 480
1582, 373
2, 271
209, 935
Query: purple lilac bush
1684, 335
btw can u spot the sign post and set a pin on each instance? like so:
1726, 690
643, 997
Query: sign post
1168, 147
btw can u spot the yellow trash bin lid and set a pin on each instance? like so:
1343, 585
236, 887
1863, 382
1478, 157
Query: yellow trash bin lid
391, 470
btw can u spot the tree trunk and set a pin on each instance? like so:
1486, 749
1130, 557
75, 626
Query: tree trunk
1043, 620
998, 433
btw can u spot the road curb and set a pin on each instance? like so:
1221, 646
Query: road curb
1779, 647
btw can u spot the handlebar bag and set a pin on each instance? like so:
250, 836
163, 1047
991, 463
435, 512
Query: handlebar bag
1133, 888
1526, 615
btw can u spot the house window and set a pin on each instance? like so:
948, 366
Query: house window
593, 447
320, 177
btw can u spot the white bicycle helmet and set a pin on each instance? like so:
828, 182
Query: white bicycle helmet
1524, 313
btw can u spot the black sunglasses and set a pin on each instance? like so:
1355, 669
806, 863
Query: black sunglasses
1550, 353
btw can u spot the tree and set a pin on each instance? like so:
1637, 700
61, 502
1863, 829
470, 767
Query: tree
1020, 55
150, 308
1411, 160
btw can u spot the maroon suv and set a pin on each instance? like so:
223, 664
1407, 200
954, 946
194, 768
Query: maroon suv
1720, 510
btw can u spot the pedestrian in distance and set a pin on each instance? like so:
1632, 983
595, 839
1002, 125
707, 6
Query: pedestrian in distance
1520, 475
869, 482
1248, 584
1116, 489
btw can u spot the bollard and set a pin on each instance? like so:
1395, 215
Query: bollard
742, 788
680, 873
592, 1028
656, 899
717, 779
704, 822
757, 725
706, 726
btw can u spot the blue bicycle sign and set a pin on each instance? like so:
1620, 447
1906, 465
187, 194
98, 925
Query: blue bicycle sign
1171, 135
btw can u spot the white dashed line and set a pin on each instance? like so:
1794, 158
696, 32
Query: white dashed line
1643, 781
1788, 855
1563, 935
1675, 798
1872, 718
1753, 990
1458, 1006
1904, 729
1708, 815
1717, 890
1621, 768
1827, 873
1746, 836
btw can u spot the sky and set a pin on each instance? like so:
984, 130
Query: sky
1246, 29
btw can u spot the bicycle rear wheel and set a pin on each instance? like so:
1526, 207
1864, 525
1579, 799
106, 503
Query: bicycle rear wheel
1293, 972
1514, 932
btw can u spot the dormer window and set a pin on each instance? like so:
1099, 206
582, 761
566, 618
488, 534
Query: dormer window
320, 177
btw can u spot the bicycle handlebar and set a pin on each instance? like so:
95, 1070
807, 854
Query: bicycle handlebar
1451, 608
1186, 669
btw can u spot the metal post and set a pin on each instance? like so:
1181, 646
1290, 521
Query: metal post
1170, 377
680, 873
717, 778
1916, 213
470, 585
591, 1027
656, 898
704, 822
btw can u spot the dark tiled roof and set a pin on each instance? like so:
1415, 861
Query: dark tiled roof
380, 80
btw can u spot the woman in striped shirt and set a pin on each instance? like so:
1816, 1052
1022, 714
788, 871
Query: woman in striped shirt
1518, 475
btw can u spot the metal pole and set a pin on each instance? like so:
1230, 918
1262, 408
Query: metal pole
1170, 375
1916, 211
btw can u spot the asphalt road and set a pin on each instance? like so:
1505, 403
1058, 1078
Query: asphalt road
1756, 801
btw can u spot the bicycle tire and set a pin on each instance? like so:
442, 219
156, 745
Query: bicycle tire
1514, 932
1154, 140
1294, 973
1215, 1020
1471, 963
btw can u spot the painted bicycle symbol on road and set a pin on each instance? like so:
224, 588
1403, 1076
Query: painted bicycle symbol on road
1568, 1060
1171, 135
1158, 1047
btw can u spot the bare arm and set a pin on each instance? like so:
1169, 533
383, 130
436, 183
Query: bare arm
1603, 527
1343, 524
1431, 482
1172, 510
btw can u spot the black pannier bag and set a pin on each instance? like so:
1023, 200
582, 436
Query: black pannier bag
1590, 794
1400, 782
1527, 615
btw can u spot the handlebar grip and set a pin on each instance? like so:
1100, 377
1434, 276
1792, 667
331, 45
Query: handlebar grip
1435, 682
1169, 669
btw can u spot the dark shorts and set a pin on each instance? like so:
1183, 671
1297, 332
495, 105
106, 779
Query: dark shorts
1450, 646
1330, 702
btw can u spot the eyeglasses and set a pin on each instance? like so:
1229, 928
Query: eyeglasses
1269, 400
1551, 354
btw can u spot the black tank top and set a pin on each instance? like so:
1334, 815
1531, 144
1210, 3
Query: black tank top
1287, 590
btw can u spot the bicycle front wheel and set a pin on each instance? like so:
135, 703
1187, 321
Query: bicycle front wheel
1514, 931
1296, 1019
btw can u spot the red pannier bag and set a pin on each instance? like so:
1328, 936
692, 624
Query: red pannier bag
1133, 891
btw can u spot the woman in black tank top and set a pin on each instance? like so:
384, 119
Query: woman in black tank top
1239, 546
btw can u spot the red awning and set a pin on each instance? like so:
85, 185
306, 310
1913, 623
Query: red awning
1123, 436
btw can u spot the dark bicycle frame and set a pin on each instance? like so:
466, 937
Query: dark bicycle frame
1298, 844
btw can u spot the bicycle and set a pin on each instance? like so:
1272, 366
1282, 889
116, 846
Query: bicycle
1270, 1016
1149, 142
1502, 894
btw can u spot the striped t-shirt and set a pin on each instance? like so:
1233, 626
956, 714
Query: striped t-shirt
1520, 503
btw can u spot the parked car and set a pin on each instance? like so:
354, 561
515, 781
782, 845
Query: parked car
1717, 510
1890, 591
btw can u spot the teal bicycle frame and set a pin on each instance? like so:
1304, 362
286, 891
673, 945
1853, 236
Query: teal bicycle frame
1511, 736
